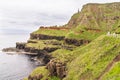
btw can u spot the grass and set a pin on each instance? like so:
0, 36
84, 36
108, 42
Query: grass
42, 70
61, 54
114, 73
51, 32
76, 15
89, 61
86, 35
40, 44
38, 71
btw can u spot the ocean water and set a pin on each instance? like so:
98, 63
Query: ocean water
17, 66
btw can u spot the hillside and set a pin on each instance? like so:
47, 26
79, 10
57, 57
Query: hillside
86, 48
95, 59
94, 18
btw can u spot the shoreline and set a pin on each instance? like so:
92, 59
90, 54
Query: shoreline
32, 56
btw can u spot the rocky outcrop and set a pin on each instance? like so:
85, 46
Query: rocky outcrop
52, 42
37, 77
20, 45
34, 50
41, 54
57, 68
48, 49
76, 42
29, 41
10, 49
45, 37
94, 15
55, 28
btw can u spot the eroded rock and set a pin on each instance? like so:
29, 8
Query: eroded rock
57, 69
76, 42
20, 45
45, 37
36, 77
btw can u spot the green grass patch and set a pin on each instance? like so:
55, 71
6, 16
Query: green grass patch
61, 54
75, 16
86, 35
114, 73
38, 71
40, 44
89, 61
51, 32
42, 70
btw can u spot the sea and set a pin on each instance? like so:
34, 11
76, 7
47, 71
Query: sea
14, 66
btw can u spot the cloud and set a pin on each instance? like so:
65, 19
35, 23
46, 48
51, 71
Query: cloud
30, 14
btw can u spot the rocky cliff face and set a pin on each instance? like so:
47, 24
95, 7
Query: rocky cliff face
97, 16
57, 68
45, 37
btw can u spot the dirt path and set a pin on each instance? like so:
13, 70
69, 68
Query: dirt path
109, 66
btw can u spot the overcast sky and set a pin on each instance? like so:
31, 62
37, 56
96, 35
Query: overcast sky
20, 15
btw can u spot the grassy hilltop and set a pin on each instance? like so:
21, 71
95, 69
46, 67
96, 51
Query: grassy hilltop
82, 46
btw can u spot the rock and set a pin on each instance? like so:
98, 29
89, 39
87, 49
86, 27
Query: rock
76, 42
11, 49
30, 77
48, 49
20, 45
56, 69
29, 41
45, 37
35, 77
40, 76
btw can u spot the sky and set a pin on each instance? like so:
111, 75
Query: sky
27, 15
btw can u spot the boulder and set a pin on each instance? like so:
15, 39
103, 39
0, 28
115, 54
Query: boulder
20, 45
57, 69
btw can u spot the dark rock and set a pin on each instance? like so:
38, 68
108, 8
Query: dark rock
56, 69
45, 37
29, 41
30, 77
20, 45
76, 42
48, 49
40, 76
10, 49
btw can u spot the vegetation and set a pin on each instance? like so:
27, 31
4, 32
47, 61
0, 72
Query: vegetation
61, 54
114, 73
89, 61
51, 32
87, 35
41, 70
41, 44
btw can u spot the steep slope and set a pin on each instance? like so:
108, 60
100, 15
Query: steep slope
114, 73
97, 16
94, 19
91, 60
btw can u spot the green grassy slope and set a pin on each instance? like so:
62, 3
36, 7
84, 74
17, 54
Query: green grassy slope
94, 20
89, 61
114, 73
51, 32
40, 44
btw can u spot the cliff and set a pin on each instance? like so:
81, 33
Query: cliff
86, 48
